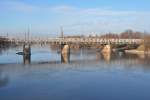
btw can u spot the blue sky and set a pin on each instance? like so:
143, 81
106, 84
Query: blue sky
44, 17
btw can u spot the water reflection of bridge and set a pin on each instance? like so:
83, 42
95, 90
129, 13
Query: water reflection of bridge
120, 58
96, 57
3, 79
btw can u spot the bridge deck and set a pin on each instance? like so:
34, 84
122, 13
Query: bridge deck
94, 41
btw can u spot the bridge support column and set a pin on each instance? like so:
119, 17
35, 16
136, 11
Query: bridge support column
65, 53
107, 49
106, 52
26, 53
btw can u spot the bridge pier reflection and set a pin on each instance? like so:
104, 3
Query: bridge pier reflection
106, 56
26, 59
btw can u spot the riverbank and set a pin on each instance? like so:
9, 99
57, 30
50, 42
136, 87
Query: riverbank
135, 51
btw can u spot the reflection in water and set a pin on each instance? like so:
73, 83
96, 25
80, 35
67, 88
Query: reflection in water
27, 59
106, 56
3, 80
89, 72
79, 56
132, 60
3, 49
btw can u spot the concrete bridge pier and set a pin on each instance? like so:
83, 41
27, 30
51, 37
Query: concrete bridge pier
26, 53
65, 53
26, 49
107, 49
106, 52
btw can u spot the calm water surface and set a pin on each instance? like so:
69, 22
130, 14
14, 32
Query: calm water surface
90, 75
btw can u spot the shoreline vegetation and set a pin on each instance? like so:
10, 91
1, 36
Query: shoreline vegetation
135, 51
144, 48
4, 42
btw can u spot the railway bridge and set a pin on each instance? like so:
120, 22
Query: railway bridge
106, 44
103, 41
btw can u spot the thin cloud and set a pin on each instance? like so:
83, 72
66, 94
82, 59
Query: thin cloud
17, 6
67, 9
105, 12
76, 18
96, 11
62, 9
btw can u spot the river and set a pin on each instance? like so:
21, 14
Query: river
90, 75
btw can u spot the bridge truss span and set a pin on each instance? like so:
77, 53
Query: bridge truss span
94, 41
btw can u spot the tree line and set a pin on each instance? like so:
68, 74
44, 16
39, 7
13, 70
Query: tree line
4, 41
128, 34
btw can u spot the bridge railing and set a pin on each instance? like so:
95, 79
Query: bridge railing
95, 40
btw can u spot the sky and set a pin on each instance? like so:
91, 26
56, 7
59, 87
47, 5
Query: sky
45, 17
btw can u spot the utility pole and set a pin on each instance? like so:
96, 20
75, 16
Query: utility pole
28, 34
128, 34
7, 35
25, 37
62, 33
